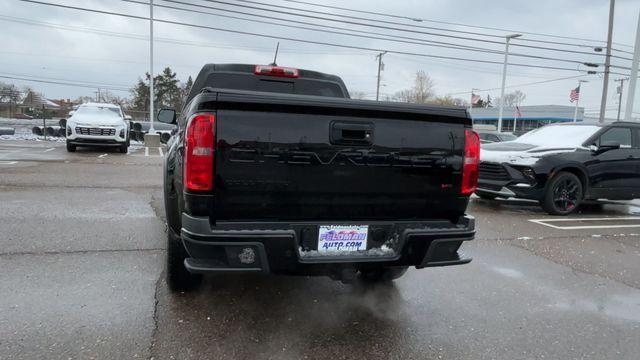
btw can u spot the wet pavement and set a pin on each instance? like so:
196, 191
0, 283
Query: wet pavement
81, 276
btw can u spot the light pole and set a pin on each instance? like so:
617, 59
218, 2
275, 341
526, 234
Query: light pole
151, 129
634, 75
504, 77
575, 112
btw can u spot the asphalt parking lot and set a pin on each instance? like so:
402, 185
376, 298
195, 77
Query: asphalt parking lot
81, 275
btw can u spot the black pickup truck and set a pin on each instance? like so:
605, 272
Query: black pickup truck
276, 170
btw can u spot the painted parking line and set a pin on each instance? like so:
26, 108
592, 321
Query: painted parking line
8, 162
148, 152
49, 149
103, 155
11, 152
582, 223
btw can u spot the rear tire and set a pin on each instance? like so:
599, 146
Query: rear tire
383, 274
563, 194
178, 278
71, 147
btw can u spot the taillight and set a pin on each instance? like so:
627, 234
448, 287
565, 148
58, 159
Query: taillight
199, 152
277, 71
471, 162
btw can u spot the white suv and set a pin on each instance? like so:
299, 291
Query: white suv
97, 124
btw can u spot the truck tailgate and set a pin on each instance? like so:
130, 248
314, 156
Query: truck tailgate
293, 162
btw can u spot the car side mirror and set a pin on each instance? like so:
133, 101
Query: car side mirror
167, 116
128, 117
604, 147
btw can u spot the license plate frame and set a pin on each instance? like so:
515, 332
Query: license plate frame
342, 238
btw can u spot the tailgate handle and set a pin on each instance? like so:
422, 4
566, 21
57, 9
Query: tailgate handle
351, 133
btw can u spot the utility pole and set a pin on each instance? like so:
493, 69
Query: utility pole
634, 75
620, 90
607, 64
504, 77
380, 67
151, 129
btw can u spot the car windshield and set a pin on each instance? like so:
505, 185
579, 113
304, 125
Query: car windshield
507, 137
106, 111
565, 135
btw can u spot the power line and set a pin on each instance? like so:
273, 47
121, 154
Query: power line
280, 11
93, 83
293, 39
158, 39
422, 42
67, 83
520, 85
417, 19
475, 68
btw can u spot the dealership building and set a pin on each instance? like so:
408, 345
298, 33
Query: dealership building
527, 118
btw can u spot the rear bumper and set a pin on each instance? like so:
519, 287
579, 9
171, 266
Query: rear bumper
289, 248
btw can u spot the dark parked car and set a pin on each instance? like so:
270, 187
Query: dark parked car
563, 165
298, 179
488, 137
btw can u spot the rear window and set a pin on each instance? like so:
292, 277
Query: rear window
250, 82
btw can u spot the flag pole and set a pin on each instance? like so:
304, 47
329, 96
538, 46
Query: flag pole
575, 112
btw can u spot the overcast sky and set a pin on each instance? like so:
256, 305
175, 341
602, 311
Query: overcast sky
69, 45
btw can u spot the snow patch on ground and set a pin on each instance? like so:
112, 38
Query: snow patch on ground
23, 133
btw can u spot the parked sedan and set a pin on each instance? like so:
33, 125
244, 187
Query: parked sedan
562, 165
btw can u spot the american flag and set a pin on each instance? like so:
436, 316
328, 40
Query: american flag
575, 94
474, 98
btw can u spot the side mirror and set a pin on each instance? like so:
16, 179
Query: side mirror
167, 116
604, 147
128, 117
71, 113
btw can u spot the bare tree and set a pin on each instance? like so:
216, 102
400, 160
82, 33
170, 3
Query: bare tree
421, 92
515, 98
423, 87
448, 100
360, 95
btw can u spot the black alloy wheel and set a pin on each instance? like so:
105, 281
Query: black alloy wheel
564, 194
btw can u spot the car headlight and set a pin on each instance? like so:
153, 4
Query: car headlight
122, 133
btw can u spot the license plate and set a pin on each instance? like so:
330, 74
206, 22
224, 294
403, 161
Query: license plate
342, 238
